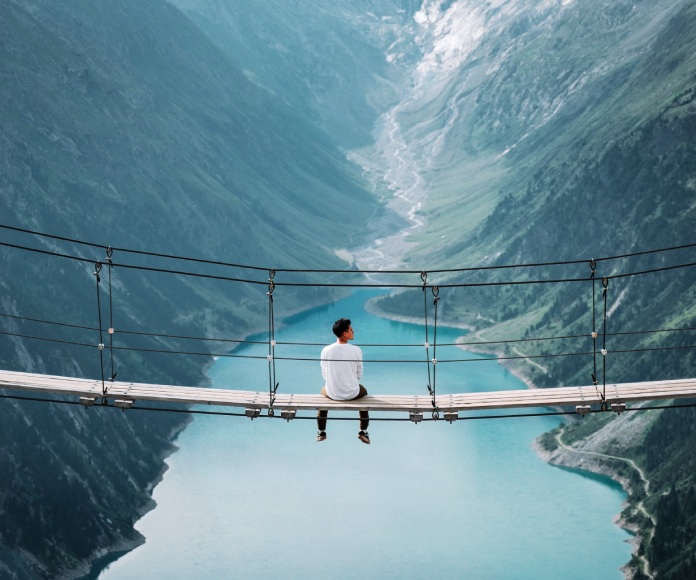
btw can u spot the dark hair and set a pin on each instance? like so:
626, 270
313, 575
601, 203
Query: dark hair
340, 326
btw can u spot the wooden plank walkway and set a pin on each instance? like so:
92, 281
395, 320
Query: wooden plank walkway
127, 394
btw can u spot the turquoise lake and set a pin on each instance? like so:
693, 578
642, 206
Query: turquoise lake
469, 499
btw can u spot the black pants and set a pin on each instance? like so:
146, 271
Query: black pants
364, 415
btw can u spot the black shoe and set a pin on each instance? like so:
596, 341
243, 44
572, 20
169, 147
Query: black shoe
364, 437
321, 435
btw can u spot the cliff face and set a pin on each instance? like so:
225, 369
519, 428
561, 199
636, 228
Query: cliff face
74, 482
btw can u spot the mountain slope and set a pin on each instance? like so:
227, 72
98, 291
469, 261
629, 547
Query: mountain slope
326, 62
529, 89
123, 125
180, 105
572, 138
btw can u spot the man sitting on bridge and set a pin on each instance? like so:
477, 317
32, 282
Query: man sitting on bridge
341, 367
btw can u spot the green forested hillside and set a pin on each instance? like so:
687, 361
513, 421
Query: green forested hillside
612, 172
667, 452
122, 124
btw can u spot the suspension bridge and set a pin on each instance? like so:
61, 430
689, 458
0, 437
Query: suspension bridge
598, 396
124, 395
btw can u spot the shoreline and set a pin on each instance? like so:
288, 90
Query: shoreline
584, 461
101, 560
104, 557
559, 457
372, 307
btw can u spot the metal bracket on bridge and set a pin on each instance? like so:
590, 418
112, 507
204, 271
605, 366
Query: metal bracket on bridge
288, 414
618, 408
87, 401
416, 416
583, 409
451, 416
252, 412
123, 404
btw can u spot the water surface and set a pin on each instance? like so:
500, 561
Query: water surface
469, 499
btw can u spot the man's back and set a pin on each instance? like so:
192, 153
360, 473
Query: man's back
341, 366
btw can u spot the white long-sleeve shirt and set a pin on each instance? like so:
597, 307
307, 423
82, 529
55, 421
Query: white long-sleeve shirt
342, 369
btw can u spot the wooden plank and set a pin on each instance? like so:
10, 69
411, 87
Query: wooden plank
452, 402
